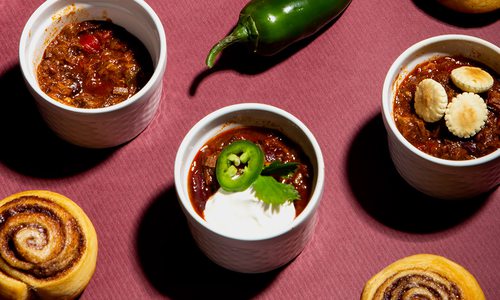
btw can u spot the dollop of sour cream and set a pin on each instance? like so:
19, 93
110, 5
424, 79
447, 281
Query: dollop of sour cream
243, 214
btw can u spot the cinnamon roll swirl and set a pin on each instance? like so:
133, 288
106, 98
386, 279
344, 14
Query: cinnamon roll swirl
48, 247
423, 276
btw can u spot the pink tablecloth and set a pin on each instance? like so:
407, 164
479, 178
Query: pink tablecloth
368, 216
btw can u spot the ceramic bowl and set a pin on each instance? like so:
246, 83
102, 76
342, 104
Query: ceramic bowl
436, 177
238, 252
100, 127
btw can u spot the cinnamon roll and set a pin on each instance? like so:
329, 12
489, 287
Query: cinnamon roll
423, 276
48, 247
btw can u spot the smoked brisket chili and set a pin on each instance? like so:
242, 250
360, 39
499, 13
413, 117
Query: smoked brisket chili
94, 64
202, 179
434, 138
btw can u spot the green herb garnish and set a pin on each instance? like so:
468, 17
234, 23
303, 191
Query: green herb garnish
273, 192
280, 169
269, 190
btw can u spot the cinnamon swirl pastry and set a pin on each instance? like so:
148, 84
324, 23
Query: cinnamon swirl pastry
423, 276
48, 247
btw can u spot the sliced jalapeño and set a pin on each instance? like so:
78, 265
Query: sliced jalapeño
239, 165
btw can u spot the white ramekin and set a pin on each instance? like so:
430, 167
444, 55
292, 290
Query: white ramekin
101, 127
440, 178
240, 253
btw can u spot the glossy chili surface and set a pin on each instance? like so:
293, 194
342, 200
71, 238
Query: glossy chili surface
202, 180
94, 64
434, 138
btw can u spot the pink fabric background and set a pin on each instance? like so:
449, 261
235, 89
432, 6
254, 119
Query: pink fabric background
368, 217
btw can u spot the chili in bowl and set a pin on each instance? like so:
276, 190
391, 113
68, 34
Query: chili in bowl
443, 126
249, 178
95, 68
93, 64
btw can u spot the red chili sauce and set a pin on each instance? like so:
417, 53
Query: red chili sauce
434, 138
94, 64
203, 183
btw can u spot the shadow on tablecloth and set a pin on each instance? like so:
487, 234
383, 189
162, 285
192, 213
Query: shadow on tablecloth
446, 15
175, 266
29, 147
386, 196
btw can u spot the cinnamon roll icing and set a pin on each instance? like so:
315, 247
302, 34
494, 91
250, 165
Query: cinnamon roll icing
48, 247
425, 277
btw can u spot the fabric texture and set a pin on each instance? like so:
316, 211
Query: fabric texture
368, 216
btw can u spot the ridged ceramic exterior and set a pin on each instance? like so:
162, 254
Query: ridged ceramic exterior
105, 129
237, 252
253, 256
433, 176
102, 127
441, 181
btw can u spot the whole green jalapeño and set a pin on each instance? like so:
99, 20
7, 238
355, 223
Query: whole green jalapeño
239, 165
268, 27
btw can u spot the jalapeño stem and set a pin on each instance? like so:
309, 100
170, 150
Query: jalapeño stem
239, 34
